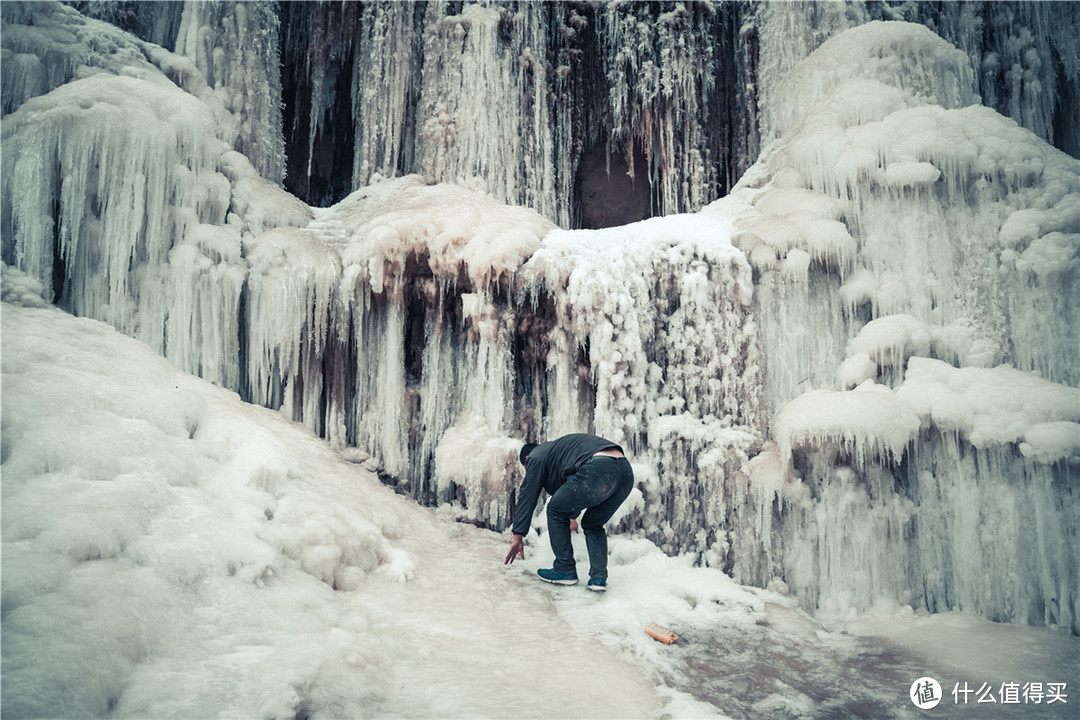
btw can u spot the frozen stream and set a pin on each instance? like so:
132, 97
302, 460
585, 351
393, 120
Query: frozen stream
749, 653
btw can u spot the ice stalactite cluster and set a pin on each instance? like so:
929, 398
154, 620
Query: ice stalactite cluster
125, 154
511, 96
660, 306
661, 66
919, 236
383, 90
118, 185
464, 133
661, 311
420, 88
378, 323
786, 34
628, 84
235, 47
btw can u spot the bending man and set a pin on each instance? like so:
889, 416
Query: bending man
579, 472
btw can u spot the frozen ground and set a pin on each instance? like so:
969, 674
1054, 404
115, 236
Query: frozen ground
749, 653
170, 551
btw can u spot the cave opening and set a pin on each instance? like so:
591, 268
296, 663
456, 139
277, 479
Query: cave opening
610, 191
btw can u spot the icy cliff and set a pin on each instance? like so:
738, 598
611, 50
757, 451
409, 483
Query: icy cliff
589, 94
874, 331
897, 298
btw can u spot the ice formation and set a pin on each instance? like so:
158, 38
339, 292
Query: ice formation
934, 191
171, 551
609, 89
876, 329
235, 48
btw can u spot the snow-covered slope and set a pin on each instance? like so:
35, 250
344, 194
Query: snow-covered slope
170, 551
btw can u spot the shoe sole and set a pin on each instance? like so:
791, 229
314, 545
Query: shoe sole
558, 582
597, 588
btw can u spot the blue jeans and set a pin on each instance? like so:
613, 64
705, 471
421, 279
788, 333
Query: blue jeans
598, 487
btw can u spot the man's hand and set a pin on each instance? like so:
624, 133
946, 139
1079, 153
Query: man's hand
517, 550
573, 525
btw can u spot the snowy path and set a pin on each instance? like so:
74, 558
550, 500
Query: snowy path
471, 640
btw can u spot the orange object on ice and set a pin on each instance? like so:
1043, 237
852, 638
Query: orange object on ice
662, 634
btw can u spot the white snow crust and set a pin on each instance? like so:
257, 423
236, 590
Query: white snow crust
996, 406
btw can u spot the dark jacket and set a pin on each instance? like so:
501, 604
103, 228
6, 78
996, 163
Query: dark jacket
547, 468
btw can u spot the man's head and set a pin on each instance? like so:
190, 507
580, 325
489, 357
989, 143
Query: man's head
525, 450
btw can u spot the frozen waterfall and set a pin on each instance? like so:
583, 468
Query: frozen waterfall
832, 316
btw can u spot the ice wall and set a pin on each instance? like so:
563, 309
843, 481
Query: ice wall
235, 47
509, 96
916, 259
1026, 58
633, 82
775, 363
629, 84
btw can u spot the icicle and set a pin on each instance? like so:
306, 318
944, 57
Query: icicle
235, 47
471, 76
292, 301
661, 70
206, 275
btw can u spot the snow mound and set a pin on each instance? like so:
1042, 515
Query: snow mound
869, 421
907, 56
162, 495
995, 406
454, 230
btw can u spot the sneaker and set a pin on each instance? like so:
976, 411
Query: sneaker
552, 575
598, 585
